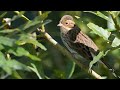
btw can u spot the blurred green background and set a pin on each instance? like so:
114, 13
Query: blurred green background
54, 64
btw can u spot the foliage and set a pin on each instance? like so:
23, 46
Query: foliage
25, 53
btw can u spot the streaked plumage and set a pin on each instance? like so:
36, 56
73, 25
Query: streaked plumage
76, 41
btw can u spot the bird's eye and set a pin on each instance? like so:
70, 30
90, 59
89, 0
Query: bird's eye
66, 23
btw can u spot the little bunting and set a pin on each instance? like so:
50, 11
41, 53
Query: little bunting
77, 42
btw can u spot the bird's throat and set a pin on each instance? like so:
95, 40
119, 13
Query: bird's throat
64, 29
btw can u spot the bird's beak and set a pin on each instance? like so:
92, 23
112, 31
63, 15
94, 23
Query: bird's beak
59, 24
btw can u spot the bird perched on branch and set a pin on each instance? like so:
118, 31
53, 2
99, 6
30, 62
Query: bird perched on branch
77, 42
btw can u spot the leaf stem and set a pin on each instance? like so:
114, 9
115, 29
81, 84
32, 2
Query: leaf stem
23, 16
43, 27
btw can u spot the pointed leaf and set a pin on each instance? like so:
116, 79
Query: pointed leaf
29, 39
2, 57
34, 69
7, 41
10, 65
32, 25
99, 31
70, 69
115, 13
9, 30
22, 52
116, 42
1, 47
98, 13
96, 59
17, 65
3, 14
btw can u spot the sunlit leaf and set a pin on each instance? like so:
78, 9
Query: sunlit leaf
2, 57
34, 69
29, 39
32, 25
96, 59
98, 13
114, 13
10, 65
9, 30
99, 31
7, 41
77, 17
110, 24
21, 14
43, 16
115, 18
116, 42
29, 24
1, 47
19, 51
17, 65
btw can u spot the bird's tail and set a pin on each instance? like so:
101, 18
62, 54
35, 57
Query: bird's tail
109, 67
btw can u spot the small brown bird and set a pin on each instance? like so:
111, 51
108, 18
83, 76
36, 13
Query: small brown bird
76, 41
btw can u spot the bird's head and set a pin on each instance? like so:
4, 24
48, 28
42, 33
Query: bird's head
67, 22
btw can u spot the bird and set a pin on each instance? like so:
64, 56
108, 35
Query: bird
77, 42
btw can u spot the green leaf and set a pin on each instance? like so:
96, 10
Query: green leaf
3, 14
21, 14
102, 16
96, 59
10, 65
2, 58
110, 30
47, 21
32, 25
17, 65
34, 69
98, 13
114, 13
7, 41
9, 30
70, 69
43, 16
111, 24
19, 51
29, 39
116, 42
1, 47
29, 24
99, 31
12, 19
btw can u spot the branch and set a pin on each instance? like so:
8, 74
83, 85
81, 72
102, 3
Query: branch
68, 54
63, 50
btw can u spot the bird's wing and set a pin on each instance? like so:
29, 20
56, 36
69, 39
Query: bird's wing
84, 39
81, 43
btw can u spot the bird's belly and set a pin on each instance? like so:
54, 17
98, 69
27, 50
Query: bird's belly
66, 43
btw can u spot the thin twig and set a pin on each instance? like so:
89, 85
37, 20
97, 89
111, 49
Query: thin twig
43, 28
